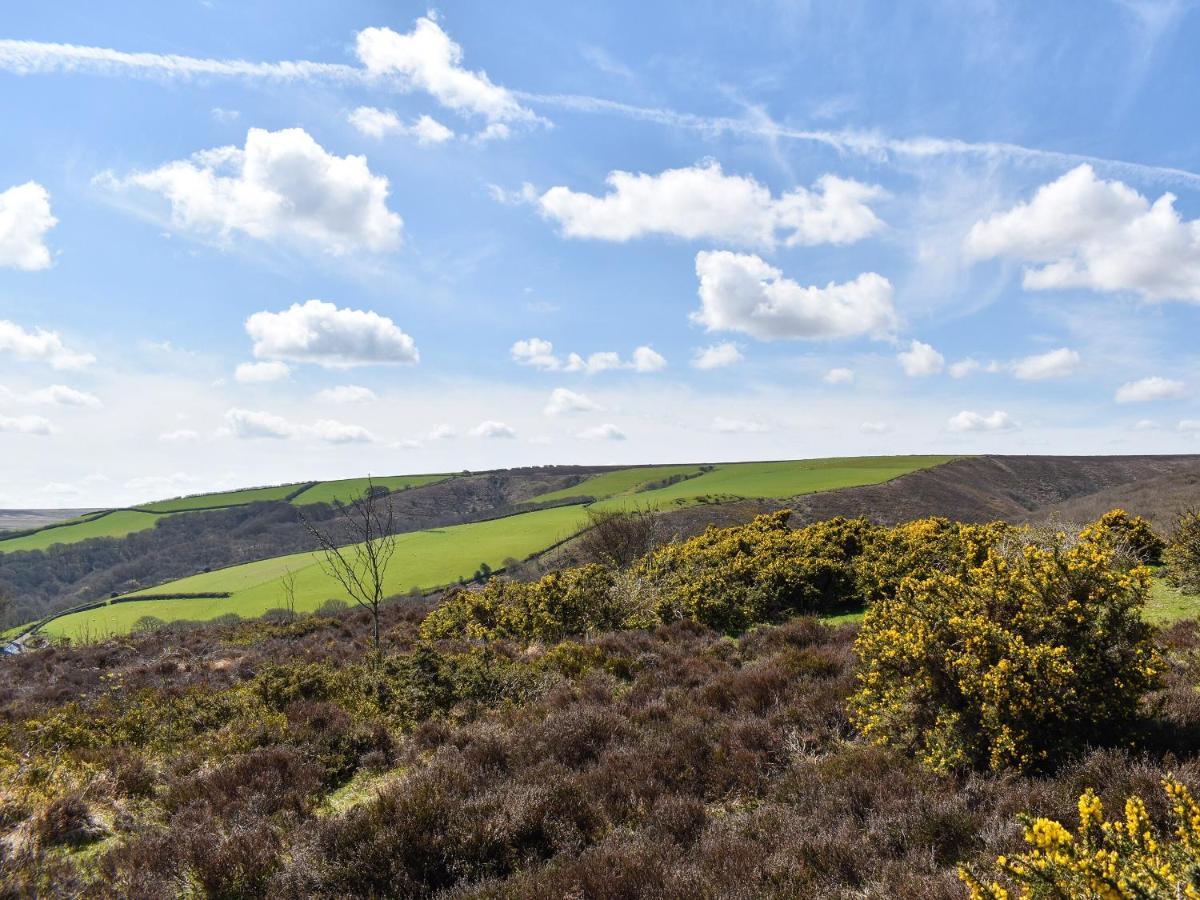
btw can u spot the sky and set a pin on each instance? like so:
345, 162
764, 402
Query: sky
251, 243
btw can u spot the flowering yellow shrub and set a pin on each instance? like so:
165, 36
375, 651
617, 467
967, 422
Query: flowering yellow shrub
919, 549
731, 578
1182, 555
1031, 654
1132, 534
1103, 860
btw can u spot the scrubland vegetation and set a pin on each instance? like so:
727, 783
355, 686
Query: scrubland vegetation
678, 724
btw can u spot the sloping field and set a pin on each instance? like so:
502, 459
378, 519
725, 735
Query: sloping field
788, 478
612, 484
424, 559
115, 524
222, 499
348, 489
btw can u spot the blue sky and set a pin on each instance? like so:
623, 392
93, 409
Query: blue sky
249, 243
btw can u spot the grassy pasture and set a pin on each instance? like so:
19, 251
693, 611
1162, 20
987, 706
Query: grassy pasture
423, 559
789, 478
221, 499
347, 489
613, 484
114, 525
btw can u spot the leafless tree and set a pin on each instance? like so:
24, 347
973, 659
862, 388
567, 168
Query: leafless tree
358, 548
619, 538
288, 583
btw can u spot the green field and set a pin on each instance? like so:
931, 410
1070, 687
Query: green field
423, 559
348, 489
221, 499
780, 479
114, 525
612, 484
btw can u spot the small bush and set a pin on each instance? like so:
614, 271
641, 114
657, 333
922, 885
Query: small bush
1018, 661
1132, 534
1182, 555
67, 820
1103, 858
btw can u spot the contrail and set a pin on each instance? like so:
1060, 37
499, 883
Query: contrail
38, 57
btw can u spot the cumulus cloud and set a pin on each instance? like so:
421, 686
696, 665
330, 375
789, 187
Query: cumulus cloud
377, 123
442, 432
1082, 232
24, 220
26, 425
703, 203
1056, 364
1148, 389
319, 332
539, 354
426, 59
248, 423
282, 185
968, 420
741, 292
62, 395
920, 360
874, 427
838, 376
346, 393
260, 372
564, 401
39, 346
738, 426
717, 356
333, 432
492, 429
605, 432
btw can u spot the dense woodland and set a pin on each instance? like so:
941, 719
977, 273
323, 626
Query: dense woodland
662, 721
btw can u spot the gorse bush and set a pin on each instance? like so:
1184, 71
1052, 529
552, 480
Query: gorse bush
1132, 534
1103, 859
1015, 663
1182, 555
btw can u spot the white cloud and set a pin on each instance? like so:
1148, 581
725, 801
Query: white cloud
247, 423
376, 123
225, 115
717, 356
646, 359
24, 220
539, 354
603, 361
1056, 364
963, 367
260, 372
838, 376
703, 203
492, 429
442, 433
1145, 425
874, 427
920, 360
739, 426
320, 332
565, 401
605, 432
39, 346
159, 486
1147, 389
1189, 424
333, 432
346, 393
973, 421
26, 425
1082, 232
61, 395
427, 59
180, 436
281, 185
741, 292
